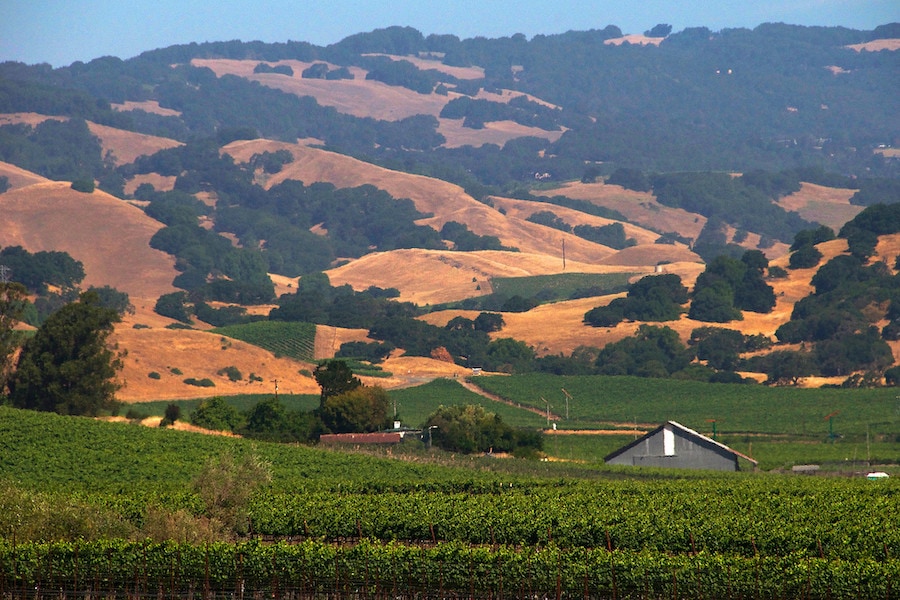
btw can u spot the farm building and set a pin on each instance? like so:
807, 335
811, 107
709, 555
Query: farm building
674, 445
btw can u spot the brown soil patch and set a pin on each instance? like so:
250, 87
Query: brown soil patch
637, 207
110, 237
161, 183
19, 178
415, 370
494, 132
636, 39
425, 64
877, 45
825, 205
150, 106
126, 146
889, 152
329, 339
27, 118
200, 355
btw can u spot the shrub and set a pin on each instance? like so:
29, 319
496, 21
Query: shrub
205, 382
232, 373
154, 375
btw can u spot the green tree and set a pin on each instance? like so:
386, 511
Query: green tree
217, 415
68, 366
335, 378
470, 428
720, 348
363, 409
13, 299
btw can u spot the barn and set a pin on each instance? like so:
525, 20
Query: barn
676, 446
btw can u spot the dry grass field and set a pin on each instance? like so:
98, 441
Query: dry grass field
19, 178
114, 249
126, 146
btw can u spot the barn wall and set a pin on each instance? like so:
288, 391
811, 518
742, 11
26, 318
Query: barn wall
690, 453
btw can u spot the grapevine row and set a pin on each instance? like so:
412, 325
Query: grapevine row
374, 569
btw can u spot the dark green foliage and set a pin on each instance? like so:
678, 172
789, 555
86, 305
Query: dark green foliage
470, 428
279, 69
232, 372
172, 414
315, 301
784, 367
373, 352
112, 298
37, 271
4, 183
876, 191
83, 185
630, 179
651, 352
863, 230
271, 162
335, 378
612, 235
804, 257
718, 196
293, 340
466, 241
729, 285
58, 150
13, 300
520, 110
402, 73
811, 237
549, 219
216, 414
205, 382
68, 367
651, 298
269, 420
172, 306
362, 409
720, 348
488, 322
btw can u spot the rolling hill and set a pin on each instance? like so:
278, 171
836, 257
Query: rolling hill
492, 172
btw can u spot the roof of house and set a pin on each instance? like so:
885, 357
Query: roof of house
361, 438
688, 432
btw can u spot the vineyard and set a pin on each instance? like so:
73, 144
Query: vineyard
375, 570
289, 339
737, 408
344, 525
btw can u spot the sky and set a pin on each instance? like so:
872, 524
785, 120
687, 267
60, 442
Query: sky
60, 32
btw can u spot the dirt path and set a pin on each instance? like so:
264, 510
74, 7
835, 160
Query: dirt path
477, 390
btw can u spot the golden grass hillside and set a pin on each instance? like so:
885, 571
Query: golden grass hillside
110, 237
447, 201
19, 178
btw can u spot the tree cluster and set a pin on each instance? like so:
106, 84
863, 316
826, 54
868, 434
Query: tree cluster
651, 298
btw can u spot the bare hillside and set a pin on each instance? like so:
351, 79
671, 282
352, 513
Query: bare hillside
125, 146
638, 207
433, 277
829, 206
201, 355
19, 178
109, 236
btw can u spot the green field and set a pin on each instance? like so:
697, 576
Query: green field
549, 288
736, 408
463, 523
281, 338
